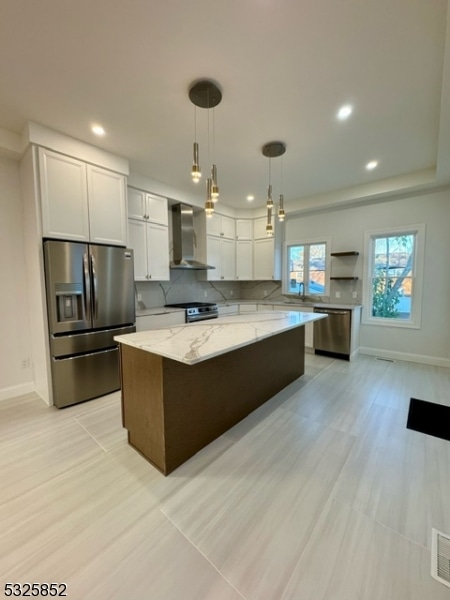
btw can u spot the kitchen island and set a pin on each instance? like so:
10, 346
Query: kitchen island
182, 387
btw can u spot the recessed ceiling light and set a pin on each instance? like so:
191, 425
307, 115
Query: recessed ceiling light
373, 164
250, 198
344, 112
98, 130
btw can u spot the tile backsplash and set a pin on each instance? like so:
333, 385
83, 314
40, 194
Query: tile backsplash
184, 287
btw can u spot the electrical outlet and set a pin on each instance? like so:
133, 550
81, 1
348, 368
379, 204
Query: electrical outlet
231, 293
25, 363
139, 297
355, 295
338, 294
205, 294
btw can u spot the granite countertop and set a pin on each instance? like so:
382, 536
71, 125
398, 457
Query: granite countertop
194, 342
289, 303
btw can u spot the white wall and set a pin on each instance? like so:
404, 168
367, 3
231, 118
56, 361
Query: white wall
15, 379
346, 227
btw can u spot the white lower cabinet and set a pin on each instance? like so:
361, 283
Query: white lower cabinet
150, 243
246, 308
228, 309
159, 321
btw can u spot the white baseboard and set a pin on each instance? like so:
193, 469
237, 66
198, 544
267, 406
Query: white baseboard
16, 390
416, 358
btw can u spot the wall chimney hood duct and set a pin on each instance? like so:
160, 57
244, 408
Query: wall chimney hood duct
184, 239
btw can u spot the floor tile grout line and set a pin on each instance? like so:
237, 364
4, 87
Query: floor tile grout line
89, 434
202, 553
319, 519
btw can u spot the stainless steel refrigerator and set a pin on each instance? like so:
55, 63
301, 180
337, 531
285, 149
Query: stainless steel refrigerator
90, 299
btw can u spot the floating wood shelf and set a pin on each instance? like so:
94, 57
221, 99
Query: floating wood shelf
349, 253
345, 278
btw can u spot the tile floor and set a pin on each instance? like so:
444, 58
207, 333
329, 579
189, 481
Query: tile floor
320, 494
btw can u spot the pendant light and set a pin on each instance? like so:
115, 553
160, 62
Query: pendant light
195, 171
206, 94
273, 150
281, 213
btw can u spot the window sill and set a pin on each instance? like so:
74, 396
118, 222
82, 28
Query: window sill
391, 323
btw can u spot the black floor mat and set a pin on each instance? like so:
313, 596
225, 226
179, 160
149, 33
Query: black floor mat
429, 418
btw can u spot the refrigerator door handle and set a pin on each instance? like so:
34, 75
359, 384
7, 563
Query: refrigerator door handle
87, 287
94, 287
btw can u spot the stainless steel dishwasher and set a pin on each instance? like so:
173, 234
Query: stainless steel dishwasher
332, 335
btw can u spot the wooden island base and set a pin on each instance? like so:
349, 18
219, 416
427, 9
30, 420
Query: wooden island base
171, 410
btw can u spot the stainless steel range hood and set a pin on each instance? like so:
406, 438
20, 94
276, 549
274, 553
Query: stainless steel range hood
184, 239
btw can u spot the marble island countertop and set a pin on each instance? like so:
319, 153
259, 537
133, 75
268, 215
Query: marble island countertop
195, 342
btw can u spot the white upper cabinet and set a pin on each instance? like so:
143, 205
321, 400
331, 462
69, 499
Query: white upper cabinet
264, 255
259, 228
147, 207
148, 234
80, 201
244, 260
244, 229
107, 206
221, 226
150, 243
64, 199
221, 254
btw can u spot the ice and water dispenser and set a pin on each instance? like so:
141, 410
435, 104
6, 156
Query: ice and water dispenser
69, 302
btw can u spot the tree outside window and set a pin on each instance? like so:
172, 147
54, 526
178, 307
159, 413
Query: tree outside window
393, 276
307, 266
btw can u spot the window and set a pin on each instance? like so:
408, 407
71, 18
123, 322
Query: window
306, 264
394, 274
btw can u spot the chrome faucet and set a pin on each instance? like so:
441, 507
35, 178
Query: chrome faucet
301, 286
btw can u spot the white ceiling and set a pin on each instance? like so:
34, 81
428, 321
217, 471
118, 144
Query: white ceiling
284, 67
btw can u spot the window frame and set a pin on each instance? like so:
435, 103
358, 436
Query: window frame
414, 321
286, 271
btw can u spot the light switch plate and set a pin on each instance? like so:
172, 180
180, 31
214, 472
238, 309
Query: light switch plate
338, 294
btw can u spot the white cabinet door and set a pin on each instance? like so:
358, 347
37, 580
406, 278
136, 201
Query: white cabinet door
64, 199
214, 225
170, 319
244, 229
228, 259
157, 209
259, 228
244, 260
221, 226
150, 243
228, 228
137, 240
228, 309
213, 251
136, 204
158, 252
263, 259
245, 308
107, 206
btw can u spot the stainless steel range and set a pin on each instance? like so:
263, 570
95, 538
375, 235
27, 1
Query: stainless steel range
197, 311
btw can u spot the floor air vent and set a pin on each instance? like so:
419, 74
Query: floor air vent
440, 557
